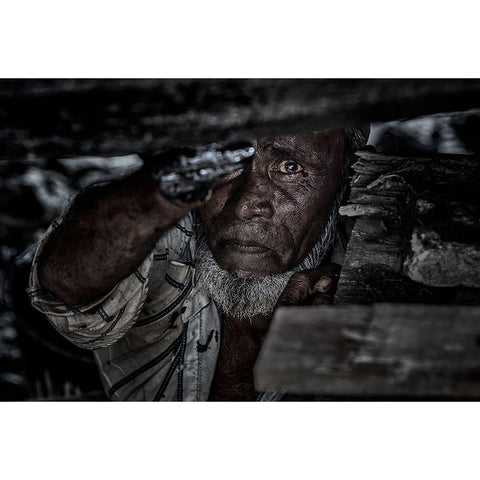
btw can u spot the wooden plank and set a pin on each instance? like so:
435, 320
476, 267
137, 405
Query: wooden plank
417, 237
379, 350
51, 118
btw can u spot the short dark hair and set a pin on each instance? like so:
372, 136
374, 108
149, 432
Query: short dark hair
356, 139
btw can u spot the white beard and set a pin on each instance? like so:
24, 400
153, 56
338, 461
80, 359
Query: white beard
246, 297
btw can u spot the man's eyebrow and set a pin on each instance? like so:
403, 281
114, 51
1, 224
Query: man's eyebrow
296, 152
284, 149
284, 143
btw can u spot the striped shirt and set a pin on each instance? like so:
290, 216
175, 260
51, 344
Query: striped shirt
155, 336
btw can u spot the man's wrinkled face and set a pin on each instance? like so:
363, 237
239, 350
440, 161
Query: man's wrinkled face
265, 218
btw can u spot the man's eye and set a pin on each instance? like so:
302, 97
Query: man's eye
289, 167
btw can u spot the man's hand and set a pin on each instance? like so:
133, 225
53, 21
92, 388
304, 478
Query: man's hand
187, 175
311, 287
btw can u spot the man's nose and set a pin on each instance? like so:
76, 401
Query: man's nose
253, 197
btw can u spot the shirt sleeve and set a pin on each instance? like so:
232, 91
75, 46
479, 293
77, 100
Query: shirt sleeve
99, 323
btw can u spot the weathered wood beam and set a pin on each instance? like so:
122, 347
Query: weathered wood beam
417, 231
382, 350
111, 117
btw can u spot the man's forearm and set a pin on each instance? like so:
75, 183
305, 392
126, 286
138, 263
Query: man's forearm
105, 236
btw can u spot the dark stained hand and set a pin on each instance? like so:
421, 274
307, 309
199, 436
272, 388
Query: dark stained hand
311, 287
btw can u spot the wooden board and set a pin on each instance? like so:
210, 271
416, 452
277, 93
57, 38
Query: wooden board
417, 233
380, 350
52, 118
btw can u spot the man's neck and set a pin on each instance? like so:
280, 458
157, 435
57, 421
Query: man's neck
241, 341
260, 322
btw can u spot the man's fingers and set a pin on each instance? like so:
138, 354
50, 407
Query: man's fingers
324, 285
311, 287
322, 299
297, 289
322, 290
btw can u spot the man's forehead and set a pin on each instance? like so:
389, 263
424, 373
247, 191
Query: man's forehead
310, 145
310, 140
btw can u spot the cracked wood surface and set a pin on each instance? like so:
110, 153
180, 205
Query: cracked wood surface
393, 350
416, 237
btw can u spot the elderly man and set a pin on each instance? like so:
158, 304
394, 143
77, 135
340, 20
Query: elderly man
175, 298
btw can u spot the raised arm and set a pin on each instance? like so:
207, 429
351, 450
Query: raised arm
105, 236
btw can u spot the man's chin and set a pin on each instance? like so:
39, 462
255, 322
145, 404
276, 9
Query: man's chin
238, 291
238, 273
